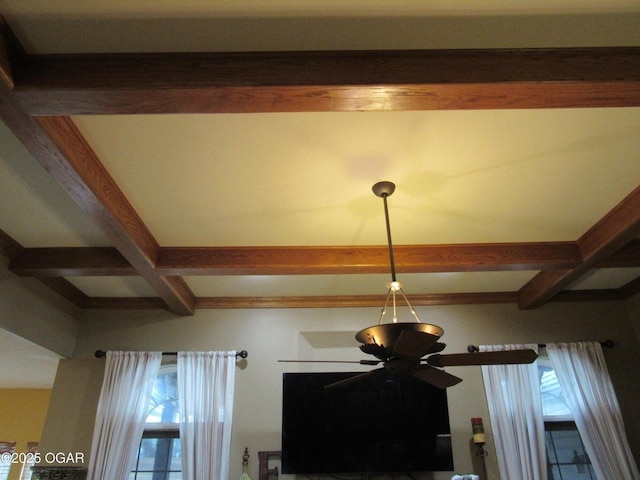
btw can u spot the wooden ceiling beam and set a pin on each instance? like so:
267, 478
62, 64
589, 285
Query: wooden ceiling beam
366, 259
627, 256
328, 81
73, 164
616, 229
11, 249
630, 289
314, 260
68, 290
71, 262
346, 301
60, 148
176, 261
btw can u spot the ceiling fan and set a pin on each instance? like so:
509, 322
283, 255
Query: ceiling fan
402, 347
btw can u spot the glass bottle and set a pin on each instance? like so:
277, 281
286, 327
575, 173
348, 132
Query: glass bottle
245, 465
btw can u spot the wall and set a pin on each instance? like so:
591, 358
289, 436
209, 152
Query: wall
32, 311
314, 334
22, 418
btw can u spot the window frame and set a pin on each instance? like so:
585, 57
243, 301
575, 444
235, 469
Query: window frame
160, 431
30, 461
555, 423
5, 467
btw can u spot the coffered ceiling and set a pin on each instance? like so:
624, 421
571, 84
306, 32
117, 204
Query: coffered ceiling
221, 154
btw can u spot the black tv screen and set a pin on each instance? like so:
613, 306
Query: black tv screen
382, 424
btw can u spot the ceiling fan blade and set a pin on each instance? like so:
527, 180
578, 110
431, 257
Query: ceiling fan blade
505, 357
355, 378
359, 362
436, 377
414, 344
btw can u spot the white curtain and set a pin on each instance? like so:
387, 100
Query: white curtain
515, 411
205, 389
583, 376
122, 410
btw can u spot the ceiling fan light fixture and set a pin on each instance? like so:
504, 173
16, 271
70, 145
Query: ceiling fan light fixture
382, 340
400, 347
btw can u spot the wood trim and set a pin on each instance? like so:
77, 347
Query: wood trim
67, 290
9, 247
628, 256
630, 289
126, 303
71, 261
329, 81
615, 230
349, 301
601, 295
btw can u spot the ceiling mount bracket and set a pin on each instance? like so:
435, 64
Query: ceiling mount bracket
383, 189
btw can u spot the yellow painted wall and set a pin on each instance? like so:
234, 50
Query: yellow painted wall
22, 415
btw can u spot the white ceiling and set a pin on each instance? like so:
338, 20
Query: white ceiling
305, 178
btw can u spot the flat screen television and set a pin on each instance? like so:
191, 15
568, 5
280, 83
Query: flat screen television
382, 424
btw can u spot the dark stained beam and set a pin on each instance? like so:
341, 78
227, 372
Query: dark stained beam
73, 164
627, 257
347, 301
329, 81
630, 289
60, 148
66, 289
610, 234
366, 259
126, 303
11, 249
176, 261
8, 246
72, 261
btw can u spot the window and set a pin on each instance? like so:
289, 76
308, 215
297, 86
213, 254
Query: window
566, 457
6, 456
159, 455
29, 461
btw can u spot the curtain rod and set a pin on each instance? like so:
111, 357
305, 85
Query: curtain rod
241, 354
605, 343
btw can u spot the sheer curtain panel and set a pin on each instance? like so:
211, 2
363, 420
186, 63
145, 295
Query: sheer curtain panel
515, 413
205, 388
586, 385
122, 410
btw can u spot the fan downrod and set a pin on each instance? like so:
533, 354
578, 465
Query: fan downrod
383, 189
